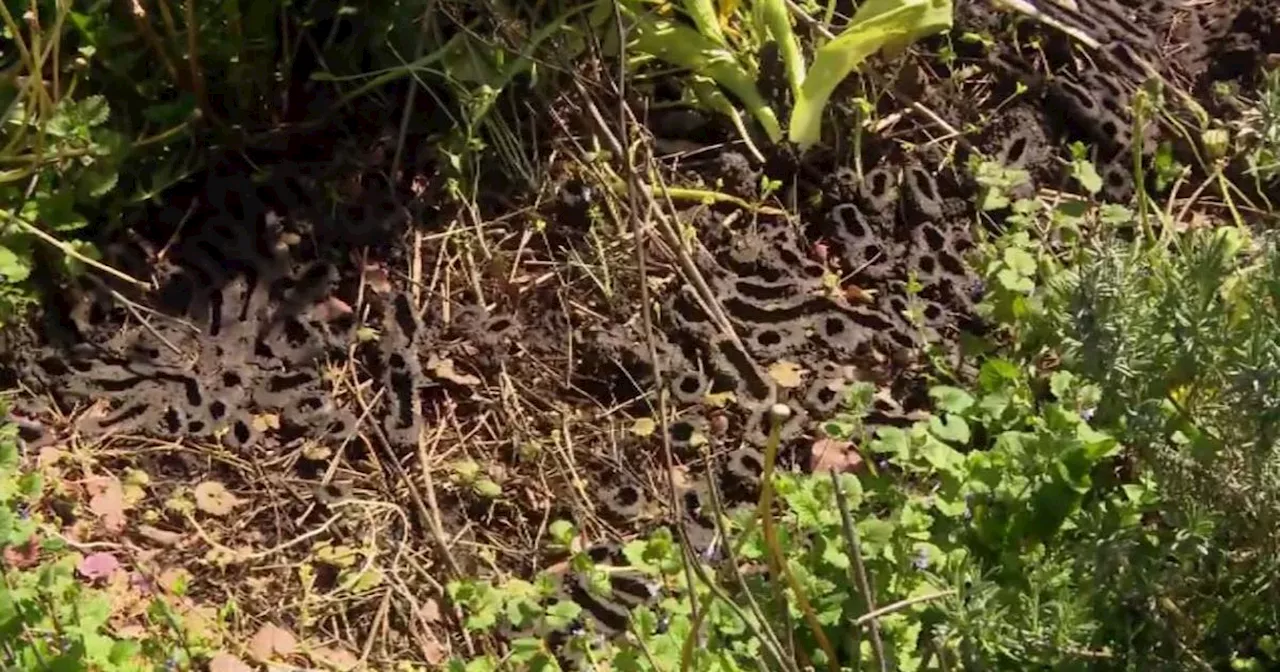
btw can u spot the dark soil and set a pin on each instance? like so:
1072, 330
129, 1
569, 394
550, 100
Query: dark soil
401, 334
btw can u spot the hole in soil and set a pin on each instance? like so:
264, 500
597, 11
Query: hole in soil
396, 361
1016, 151
951, 264
927, 265
934, 238
768, 338
690, 384
172, 420
933, 312
681, 432
404, 317
195, 427
499, 325
826, 395
627, 496
834, 326
217, 409
295, 333
230, 379
288, 382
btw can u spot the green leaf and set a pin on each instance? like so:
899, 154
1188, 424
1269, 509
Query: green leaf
891, 440
684, 47
93, 111
950, 399
13, 267
1060, 384
1020, 261
1015, 282
878, 24
952, 428
561, 614
562, 531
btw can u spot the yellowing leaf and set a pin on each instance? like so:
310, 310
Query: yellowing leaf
214, 499
720, 399
786, 374
265, 421
338, 556
643, 427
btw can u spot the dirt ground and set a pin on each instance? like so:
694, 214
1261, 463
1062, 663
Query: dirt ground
344, 388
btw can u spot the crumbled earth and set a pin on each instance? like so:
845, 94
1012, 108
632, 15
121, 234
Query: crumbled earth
320, 359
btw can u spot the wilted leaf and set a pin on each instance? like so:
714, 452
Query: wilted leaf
98, 566
442, 368
720, 399
786, 374
225, 662
337, 556
162, 537
334, 658
643, 427
214, 499
272, 641
265, 421
832, 454
486, 487
107, 502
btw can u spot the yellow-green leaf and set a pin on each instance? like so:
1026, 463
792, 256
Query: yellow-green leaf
878, 24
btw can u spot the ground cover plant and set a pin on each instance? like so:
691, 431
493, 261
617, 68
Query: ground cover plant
900, 334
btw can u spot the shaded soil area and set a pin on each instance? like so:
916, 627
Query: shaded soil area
367, 364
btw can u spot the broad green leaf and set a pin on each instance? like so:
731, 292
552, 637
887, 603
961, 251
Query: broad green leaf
1014, 281
1060, 384
13, 267
1020, 261
93, 111
950, 427
562, 613
1087, 175
878, 24
951, 399
891, 440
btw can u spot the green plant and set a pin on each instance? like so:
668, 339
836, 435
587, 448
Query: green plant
976, 535
50, 618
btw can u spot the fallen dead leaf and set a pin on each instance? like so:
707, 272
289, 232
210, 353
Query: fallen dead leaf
833, 454
786, 374
442, 367
272, 641
430, 610
98, 566
22, 557
643, 427
214, 499
265, 421
174, 580
334, 658
106, 500
162, 537
225, 662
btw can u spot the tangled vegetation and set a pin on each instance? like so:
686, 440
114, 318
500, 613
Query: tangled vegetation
1092, 480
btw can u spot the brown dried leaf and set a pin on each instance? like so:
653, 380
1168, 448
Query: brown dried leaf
334, 658
272, 641
162, 537
430, 610
829, 454
225, 662
214, 499
786, 374
442, 368
107, 501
